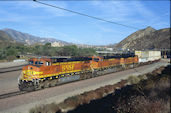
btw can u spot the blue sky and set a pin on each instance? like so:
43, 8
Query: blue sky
44, 21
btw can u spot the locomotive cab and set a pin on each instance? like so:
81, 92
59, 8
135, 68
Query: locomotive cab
34, 68
32, 72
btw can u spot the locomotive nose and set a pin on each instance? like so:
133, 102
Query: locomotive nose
27, 72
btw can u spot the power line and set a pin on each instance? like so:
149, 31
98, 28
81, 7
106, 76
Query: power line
86, 15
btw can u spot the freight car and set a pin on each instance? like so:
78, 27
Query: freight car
47, 72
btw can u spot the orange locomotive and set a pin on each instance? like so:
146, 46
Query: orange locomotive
46, 72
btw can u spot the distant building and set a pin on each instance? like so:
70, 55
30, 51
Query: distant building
109, 49
57, 44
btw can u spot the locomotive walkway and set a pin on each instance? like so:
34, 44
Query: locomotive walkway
22, 103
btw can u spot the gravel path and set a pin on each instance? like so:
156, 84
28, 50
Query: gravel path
23, 103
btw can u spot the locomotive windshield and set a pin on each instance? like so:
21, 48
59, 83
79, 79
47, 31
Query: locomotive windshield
96, 59
38, 63
35, 62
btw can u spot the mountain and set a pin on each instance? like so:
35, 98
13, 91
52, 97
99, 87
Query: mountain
4, 37
147, 38
30, 39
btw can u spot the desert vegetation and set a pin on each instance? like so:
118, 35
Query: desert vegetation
148, 93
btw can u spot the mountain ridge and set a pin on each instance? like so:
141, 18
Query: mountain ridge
28, 38
147, 38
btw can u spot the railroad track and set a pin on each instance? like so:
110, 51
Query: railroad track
10, 69
7, 95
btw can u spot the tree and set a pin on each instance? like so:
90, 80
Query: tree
70, 50
11, 52
48, 44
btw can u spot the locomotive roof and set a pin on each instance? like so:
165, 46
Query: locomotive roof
71, 59
67, 59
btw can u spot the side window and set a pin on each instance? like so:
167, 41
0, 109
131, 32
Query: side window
47, 63
36, 62
31, 62
40, 63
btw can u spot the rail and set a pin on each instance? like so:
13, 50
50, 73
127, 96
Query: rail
7, 95
10, 69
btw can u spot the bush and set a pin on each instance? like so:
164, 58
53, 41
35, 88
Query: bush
49, 108
142, 77
133, 79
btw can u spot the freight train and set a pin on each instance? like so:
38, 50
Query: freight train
46, 72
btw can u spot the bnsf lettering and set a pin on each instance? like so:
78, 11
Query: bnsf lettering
69, 67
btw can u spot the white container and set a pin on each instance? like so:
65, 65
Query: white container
145, 56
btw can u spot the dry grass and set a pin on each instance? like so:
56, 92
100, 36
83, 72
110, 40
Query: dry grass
155, 97
49, 108
133, 79
140, 104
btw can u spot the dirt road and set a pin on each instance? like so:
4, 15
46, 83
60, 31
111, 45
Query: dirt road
23, 103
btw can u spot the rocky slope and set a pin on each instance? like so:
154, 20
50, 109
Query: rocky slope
4, 37
29, 39
5, 40
147, 38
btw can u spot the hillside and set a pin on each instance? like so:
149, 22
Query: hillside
147, 38
30, 39
5, 40
4, 37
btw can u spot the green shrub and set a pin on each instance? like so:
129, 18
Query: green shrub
133, 79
